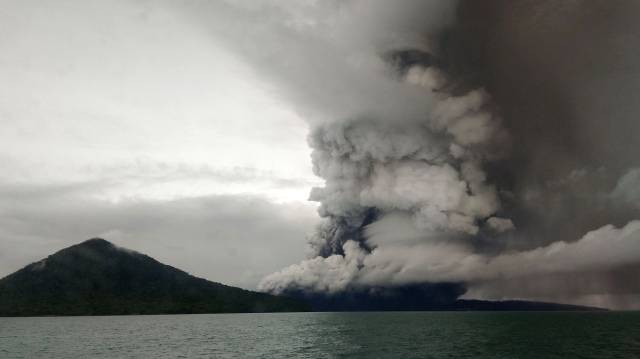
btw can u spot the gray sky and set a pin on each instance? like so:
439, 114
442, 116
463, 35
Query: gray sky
123, 119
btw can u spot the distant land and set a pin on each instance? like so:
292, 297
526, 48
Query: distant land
97, 277
421, 297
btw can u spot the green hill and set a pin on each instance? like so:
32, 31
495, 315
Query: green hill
96, 277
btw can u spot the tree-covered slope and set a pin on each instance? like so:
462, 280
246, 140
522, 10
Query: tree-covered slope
97, 278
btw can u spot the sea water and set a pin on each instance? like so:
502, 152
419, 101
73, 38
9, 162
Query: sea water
475, 335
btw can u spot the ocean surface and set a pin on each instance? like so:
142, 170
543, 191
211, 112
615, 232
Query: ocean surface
540, 335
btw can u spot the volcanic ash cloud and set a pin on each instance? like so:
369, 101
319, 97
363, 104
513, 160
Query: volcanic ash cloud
424, 171
453, 140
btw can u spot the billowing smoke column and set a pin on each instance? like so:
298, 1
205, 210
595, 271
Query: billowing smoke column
395, 180
461, 142
423, 176
430, 171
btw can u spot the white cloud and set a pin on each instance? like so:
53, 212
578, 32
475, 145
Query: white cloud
98, 85
401, 261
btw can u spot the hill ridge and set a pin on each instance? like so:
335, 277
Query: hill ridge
97, 277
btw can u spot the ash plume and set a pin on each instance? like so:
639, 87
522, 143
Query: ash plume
483, 143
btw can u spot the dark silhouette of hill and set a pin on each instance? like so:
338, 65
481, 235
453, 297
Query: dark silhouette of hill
96, 277
419, 297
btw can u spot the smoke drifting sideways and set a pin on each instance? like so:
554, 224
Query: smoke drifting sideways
460, 142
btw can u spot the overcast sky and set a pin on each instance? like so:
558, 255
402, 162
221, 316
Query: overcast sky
125, 120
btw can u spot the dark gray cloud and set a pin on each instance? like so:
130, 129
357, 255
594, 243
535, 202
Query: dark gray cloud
565, 75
